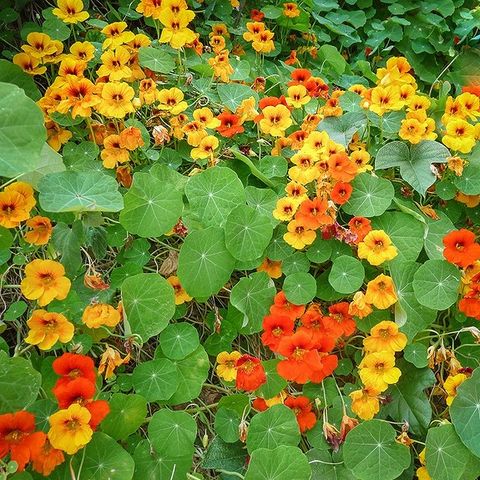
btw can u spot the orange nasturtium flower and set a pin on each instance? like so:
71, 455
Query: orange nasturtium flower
276, 119
226, 365
29, 64
47, 459
250, 373
385, 336
377, 248
181, 296
79, 96
302, 407
176, 31
48, 328
110, 360
99, 315
18, 437
13, 209
70, 11
275, 327
115, 64
263, 42
221, 66
359, 307
70, 429
172, 100
365, 403
271, 267
116, 100
41, 230
381, 292
44, 281
298, 236
291, 10
451, 384
460, 248
205, 149
377, 370
116, 35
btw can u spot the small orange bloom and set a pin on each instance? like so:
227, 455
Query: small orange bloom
41, 230
250, 373
302, 407
71, 366
48, 328
99, 315
281, 306
360, 226
313, 213
80, 390
272, 268
110, 360
275, 328
230, 124
341, 168
47, 459
340, 321
341, 192
460, 248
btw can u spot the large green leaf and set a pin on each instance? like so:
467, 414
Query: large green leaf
213, 194
155, 380
225, 456
446, 457
371, 452
415, 161
192, 371
436, 230
346, 275
149, 303
156, 59
79, 192
105, 459
253, 296
341, 129
152, 207
232, 94
13, 74
327, 466
272, 428
204, 263
179, 340
247, 233
19, 383
436, 284
22, 132
300, 288
127, 414
465, 412
227, 423
281, 463
371, 196
408, 399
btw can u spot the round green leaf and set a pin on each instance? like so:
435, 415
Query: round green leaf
105, 459
371, 196
227, 422
56, 29
232, 94
156, 59
436, 230
213, 194
22, 132
278, 248
42, 409
320, 250
172, 433
152, 207
192, 371
204, 263
346, 275
416, 353
300, 288
465, 412
371, 452
179, 340
469, 182
79, 192
149, 303
19, 383
297, 262
247, 233
436, 283
276, 426
127, 414
445, 455
281, 463
156, 379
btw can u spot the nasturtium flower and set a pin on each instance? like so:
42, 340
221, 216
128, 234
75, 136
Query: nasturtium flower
291, 10
13, 209
377, 370
460, 136
115, 64
385, 336
83, 51
341, 192
57, 136
275, 327
250, 373
195, 133
297, 96
365, 403
78, 97
47, 459
131, 138
116, 35
18, 437
79, 390
71, 366
276, 119
175, 27
110, 360
217, 42
377, 248
40, 230
273, 268
230, 124
113, 154
456, 165
181, 296
359, 307
48, 328
29, 64
339, 321
302, 408
226, 365
100, 315
285, 208
45, 281
150, 8
253, 29
70, 11
341, 168
70, 429
451, 384
116, 100
206, 118
263, 42
313, 213
461, 248
222, 68
298, 235
385, 99
412, 130
172, 100
39, 45
206, 148
360, 227
381, 292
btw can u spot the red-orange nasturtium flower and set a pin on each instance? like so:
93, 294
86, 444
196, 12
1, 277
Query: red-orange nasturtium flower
230, 124
359, 226
281, 306
275, 327
313, 213
79, 390
250, 373
460, 248
302, 407
272, 268
40, 230
71, 366
339, 320
341, 192
47, 458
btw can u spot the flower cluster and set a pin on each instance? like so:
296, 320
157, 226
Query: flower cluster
79, 415
377, 369
260, 37
246, 370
